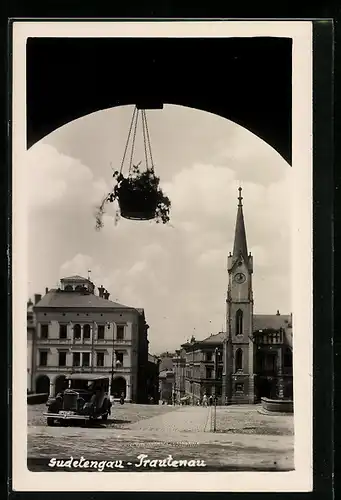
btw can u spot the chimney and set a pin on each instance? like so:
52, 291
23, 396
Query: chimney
46, 290
101, 291
37, 298
277, 314
106, 295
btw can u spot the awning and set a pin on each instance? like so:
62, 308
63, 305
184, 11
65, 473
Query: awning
87, 376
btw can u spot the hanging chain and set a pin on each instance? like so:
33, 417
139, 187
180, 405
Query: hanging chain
127, 143
144, 138
148, 139
133, 143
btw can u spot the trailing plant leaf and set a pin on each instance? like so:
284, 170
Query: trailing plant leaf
99, 218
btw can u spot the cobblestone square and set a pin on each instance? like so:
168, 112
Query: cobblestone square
245, 438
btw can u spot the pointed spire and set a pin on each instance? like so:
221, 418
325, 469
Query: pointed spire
240, 245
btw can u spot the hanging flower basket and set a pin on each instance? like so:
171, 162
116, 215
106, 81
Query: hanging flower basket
138, 194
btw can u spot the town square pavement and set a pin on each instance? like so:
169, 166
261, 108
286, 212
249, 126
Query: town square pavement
244, 439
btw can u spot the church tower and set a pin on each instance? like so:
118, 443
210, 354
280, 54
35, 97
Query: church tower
238, 382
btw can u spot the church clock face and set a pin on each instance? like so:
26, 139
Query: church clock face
239, 278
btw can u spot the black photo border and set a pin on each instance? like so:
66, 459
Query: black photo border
323, 276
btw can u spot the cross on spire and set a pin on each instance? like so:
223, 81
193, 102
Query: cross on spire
240, 198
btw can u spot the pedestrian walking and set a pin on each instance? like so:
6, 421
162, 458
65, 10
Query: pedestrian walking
211, 400
204, 400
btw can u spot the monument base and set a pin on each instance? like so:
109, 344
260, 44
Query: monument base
277, 405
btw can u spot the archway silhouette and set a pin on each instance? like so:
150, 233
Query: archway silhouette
42, 384
118, 386
70, 78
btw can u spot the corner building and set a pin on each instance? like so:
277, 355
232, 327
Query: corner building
80, 332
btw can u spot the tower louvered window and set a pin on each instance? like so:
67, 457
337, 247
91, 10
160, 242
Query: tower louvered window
239, 322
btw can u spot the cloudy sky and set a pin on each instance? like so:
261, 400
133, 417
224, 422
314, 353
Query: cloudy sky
176, 272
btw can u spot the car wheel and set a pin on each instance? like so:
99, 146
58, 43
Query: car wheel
50, 422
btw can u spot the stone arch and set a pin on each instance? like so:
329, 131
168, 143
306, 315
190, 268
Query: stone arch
118, 386
42, 384
239, 322
68, 288
79, 288
59, 384
239, 359
82, 64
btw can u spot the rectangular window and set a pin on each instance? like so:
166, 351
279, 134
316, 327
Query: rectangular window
209, 373
44, 331
100, 332
62, 358
86, 332
100, 358
120, 332
208, 356
86, 359
76, 360
239, 387
119, 357
62, 331
43, 358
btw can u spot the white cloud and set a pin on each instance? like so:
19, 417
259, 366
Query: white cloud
138, 268
79, 265
178, 272
213, 257
61, 181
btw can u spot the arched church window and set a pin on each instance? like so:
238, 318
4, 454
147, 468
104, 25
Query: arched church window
239, 359
239, 322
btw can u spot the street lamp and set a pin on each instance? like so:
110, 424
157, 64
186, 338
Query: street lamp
216, 361
117, 365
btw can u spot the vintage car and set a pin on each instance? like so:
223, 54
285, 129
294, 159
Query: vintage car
85, 398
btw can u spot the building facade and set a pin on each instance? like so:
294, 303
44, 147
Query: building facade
253, 358
202, 363
153, 382
31, 327
166, 381
79, 331
179, 367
